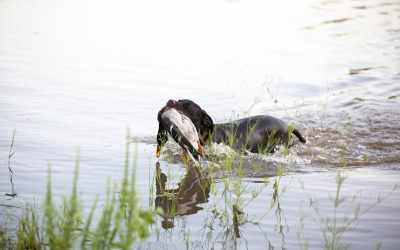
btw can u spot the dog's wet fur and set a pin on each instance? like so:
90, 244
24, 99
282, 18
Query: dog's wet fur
257, 134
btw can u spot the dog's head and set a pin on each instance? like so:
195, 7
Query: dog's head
201, 120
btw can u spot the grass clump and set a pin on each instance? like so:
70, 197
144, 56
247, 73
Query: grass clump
121, 222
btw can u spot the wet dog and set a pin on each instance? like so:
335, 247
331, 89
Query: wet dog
257, 134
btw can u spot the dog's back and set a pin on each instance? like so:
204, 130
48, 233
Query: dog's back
256, 133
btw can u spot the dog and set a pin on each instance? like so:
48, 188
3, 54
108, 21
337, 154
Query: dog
257, 134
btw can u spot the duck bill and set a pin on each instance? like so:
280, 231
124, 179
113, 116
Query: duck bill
158, 151
201, 151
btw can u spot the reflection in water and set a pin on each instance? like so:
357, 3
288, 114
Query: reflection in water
221, 229
192, 190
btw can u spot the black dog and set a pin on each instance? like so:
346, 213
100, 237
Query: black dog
258, 134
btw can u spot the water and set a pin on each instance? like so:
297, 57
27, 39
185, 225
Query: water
76, 74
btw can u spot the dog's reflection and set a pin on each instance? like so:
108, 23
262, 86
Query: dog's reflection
192, 190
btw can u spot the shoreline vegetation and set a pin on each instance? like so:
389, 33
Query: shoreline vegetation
121, 222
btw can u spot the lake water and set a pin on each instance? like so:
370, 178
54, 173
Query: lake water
74, 75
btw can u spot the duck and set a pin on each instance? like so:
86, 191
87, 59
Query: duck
179, 126
201, 119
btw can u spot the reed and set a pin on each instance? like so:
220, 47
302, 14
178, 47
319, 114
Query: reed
5, 240
122, 221
228, 202
10, 171
333, 227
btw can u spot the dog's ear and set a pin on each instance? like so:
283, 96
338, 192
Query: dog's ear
171, 103
206, 127
159, 114
207, 122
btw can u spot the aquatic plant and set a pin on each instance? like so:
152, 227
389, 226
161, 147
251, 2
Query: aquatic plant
332, 226
10, 171
122, 221
231, 214
5, 240
221, 182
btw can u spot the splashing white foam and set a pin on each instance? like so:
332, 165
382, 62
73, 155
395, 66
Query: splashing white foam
277, 157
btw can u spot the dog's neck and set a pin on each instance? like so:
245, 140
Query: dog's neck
219, 134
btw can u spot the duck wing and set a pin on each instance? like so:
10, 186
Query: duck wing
183, 131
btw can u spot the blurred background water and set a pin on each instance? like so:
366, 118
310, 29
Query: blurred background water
75, 74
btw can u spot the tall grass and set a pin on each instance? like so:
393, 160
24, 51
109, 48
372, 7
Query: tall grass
122, 221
